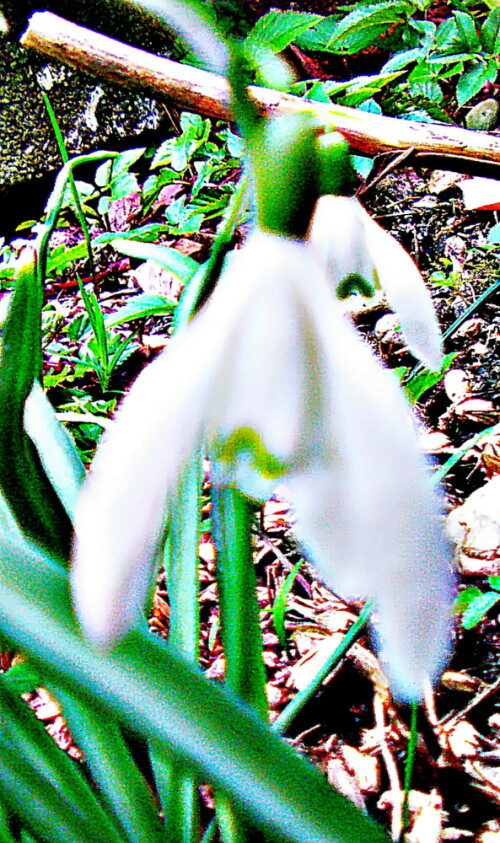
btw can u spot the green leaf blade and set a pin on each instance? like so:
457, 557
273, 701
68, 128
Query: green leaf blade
163, 698
278, 29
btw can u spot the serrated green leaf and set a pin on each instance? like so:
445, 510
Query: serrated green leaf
429, 89
478, 608
276, 30
364, 25
466, 28
319, 36
447, 37
403, 59
126, 159
474, 79
490, 32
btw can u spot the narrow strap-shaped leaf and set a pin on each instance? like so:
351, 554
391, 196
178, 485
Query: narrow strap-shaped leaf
42, 808
56, 448
164, 698
23, 481
54, 783
113, 768
6, 832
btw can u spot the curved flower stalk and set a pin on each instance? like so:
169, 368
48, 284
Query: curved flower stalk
282, 390
194, 22
349, 241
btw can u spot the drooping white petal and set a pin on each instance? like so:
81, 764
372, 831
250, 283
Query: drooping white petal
234, 366
348, 240
403, 284
339, 240
121, 512
269, 382
370, 520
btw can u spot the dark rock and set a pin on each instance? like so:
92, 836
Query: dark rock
92, 113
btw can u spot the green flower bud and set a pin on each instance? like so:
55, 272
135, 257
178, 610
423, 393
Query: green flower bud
284, 158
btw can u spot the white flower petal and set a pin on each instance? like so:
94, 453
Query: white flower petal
404, 286
121, 512
339, 240
347, 240
218, 375
371, 521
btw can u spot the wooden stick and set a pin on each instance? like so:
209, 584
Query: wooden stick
207, 93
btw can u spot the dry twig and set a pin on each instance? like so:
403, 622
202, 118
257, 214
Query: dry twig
198, 90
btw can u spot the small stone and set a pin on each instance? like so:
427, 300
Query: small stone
456, 385
483, 116
475, 527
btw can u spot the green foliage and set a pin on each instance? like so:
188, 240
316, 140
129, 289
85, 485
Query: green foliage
23, 482
473, 605
419, 383
363, 26
277, 30
279, 605
161, 697
458, 47
105, 350
427, 59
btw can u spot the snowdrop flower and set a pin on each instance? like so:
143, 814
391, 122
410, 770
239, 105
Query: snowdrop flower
349, 241
277, 382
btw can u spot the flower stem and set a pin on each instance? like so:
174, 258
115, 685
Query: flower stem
176, 784
410, 762
204, 281
239, 612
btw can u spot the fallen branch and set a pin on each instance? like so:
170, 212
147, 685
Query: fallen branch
206, 93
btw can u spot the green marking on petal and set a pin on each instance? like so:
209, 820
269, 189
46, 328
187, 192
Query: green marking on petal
354, 283
245, 440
